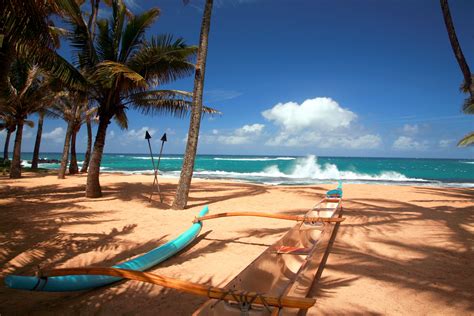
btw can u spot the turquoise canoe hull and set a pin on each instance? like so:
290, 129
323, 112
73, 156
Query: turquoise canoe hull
86, 282
336, 192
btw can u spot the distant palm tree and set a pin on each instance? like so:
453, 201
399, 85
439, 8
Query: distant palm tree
87, 155
27, 93
39, 133
468, 85
73, 109
8, 124
121, 66
184, 184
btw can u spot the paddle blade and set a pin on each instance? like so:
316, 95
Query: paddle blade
163, 138
147, 135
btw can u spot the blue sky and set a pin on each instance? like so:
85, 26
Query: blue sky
293, 77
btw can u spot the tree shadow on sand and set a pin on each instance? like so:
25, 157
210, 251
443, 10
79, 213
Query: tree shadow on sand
450, 268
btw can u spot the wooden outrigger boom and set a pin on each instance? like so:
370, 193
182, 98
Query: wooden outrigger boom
188, 287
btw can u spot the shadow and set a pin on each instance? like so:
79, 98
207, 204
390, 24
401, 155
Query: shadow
380, 241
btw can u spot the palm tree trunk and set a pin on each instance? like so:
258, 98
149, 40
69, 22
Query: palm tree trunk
7, 143
65, 156
182, 192
457, 48
15, 169
73, 169
87, 157
39, 132
93, 189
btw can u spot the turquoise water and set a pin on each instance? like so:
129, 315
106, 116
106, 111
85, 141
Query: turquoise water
289, 170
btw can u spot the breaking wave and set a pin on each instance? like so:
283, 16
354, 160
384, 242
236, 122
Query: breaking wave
162, 158
255, 159
308, 169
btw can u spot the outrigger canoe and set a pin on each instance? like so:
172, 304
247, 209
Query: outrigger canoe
288, 268
85, 282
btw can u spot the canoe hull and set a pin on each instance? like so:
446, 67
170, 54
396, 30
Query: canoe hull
278, 274
86, 282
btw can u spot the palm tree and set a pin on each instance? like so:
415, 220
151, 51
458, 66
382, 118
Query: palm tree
184, 184
26, 30
73, 109
39, 132
7, 124
87, 155
121, 66
27, 93
467, 86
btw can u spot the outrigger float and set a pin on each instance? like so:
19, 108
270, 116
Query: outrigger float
276, 283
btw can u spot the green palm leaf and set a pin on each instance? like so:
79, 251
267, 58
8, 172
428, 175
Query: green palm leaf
104, 41
107, 72
172, 102
121, 118
134, 31
467, 140
85, 54
163, 60
468, 106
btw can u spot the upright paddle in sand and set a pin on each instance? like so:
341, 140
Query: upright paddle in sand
155, 168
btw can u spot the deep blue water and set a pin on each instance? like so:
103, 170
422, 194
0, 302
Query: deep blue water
297, 170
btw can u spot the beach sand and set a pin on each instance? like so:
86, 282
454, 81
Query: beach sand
401, 251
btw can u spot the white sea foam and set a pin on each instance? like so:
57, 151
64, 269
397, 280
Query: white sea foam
162, 158
255, 159
308, 169
468, 162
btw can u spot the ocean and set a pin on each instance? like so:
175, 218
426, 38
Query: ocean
293, 170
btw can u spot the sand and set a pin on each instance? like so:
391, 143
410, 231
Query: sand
402, 250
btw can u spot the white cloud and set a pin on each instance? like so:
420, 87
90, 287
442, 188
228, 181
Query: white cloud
56, 135
411, 129
367, 141
445, 143
139, 134
315, 114
243, 135
111, 134
255, 129
408, 143
320, 122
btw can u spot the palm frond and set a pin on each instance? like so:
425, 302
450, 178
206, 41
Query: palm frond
118, 19
104, 42
29, 123
172, 102
80, 37
121, 118
108, 71
467, 140
55, 64
134, 31
468, 106
163, 60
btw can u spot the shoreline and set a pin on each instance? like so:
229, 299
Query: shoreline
401, 249
417, 182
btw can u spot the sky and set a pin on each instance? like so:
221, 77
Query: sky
324, 77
